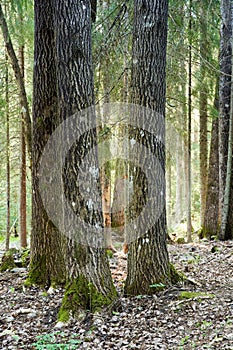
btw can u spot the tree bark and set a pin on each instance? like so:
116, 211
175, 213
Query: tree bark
47, 264
210, 226
148, 261
225, 107
89, 278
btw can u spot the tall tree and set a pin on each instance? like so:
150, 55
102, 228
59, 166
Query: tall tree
47, 255
148, 261
89, 278
225, 92
203, 114
23, 171
211, 217
189, 131
8, 169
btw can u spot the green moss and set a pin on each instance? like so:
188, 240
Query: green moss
175, 276
81, 295
37, 271
25, 256
109, 253
7, 262
180, 240
191, 295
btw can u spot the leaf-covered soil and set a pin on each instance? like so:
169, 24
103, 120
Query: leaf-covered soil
28, 317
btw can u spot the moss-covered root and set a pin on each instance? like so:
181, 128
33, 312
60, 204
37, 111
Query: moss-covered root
37, 272
80, 295
176, 276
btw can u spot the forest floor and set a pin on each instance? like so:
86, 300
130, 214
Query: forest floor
171, 319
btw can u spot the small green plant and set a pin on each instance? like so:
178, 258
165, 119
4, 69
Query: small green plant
184, 340
109, 253
50, 342
204, 324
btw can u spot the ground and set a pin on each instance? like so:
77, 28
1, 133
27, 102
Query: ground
172, 319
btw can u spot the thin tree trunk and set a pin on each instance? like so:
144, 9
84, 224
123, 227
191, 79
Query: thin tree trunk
189, 164
203, 155
19, 79
8, 178
224, 106
210, 226
179, 180
23, 191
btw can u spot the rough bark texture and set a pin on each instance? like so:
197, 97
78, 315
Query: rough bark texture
90, 284
210, 225
148, 262
47, 258
19, 79
224, 106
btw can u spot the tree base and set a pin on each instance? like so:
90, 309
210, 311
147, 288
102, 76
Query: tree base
81, 296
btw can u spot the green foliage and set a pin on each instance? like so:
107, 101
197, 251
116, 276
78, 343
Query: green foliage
57, 340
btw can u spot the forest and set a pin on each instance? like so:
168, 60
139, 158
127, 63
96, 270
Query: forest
116, 174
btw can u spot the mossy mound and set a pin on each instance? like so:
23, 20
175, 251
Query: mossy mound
8, 261
196, 295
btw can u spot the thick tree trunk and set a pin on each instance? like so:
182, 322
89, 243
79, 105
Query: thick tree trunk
225, 107
47, 256
19, 79
148, 262
89, 279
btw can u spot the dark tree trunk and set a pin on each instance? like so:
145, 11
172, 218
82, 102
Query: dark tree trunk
224, 112
148, 261
47, 257
89, 278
